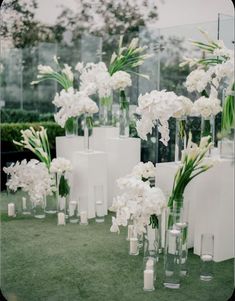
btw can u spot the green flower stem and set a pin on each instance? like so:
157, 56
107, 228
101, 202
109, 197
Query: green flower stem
124, 104
228, 113
64, 188
106, 101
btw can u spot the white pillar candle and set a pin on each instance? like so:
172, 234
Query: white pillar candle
83, 217
72, 207
130, 232
134, 246
24, 203
206, 257
11, 209
148, 280
149, 264
62, 202
172, 241
61, 218
99, 208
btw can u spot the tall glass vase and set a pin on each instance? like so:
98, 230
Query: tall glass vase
152, 243
178, 220
123, 115
227, 140
105, 110
180, 137
71, 127
172, 259
39, 207
87, 127
63, 190
208, 128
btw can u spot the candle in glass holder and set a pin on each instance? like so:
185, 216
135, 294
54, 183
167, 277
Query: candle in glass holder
134, 248
24, 203
61, 218
83, 218
148, 280
130, 232
11, 209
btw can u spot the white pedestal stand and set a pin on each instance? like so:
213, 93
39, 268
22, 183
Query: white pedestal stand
89, 169
123, 155
101, 134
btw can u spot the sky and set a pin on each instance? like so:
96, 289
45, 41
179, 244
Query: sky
171, 12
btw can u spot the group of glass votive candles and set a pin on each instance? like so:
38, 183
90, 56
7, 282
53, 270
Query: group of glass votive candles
67, 211
174, 266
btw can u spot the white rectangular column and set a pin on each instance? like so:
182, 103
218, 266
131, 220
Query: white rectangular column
123, 155
89, 170
101, 134
215, 209
66, 146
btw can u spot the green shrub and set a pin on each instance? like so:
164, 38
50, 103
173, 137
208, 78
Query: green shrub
11, 131
13, 116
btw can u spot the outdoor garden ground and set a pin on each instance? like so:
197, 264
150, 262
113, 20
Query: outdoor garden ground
43, 261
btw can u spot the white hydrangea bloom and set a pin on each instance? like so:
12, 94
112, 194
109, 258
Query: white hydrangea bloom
138, 201
197, 80
72, 104
120, 80
60, 165
207, 106
94, 78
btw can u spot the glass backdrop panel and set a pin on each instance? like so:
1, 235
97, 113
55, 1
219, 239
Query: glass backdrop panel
168, 46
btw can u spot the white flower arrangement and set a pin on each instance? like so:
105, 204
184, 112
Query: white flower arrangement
94, 78
72, 104
206, 106
32, 177
37, 142
185, 107
217, 65
120, 80
144, 170
60, 165
64, 76
157, 106
139, 202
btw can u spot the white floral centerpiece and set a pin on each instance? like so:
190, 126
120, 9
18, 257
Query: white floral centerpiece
71, 103
157, 107
139, 202
37, 142
211, 72
32, 177
60, 166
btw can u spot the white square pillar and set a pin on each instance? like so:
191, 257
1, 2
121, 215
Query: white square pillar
123, 155
101, 134
215, 209
66, 146
89, 169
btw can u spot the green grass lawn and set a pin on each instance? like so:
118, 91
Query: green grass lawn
43, 261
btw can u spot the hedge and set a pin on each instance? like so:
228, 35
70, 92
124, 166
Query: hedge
11, 131
16, 115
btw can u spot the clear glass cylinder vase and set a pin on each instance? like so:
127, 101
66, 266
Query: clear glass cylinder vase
99, 203
62, 191
226, 144
26, 205
172, 259
105, 110
178, 219
207, 255
208, 129
71, 127
38, 206
87, 128
152, 241
180, 137
124, 119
